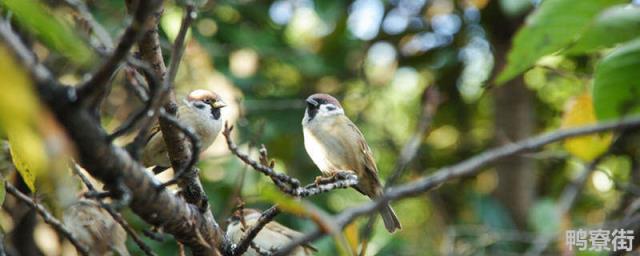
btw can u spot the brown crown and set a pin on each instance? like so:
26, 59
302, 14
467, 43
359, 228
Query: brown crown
203, 95
323, 98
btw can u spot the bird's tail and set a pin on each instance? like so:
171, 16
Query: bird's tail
391, 222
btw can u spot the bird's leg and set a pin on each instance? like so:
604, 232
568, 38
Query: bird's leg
343, 175
334, 176
320, 180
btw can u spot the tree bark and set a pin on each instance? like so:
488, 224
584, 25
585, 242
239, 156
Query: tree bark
514, 120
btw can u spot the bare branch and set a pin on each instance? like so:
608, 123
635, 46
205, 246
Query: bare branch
48, 218
465, 168
147, 114
101, 34
116, 215
95, 88
285, 183
430, 102
109, 163
177, 146
266, 217
195, 147
178, 45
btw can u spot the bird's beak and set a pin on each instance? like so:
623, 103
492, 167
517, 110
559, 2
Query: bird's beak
219, 104
312, 102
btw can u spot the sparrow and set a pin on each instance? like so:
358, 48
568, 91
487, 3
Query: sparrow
94, 227
335, 144
271, 237
200, 111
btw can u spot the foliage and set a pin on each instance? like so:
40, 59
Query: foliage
580, 59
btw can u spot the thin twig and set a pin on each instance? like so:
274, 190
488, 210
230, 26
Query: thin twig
465, 168
288, 184
95, 88
107, 162
178, 45
116, 215
266, 217
48, 218
151, 106
98, 30
430, 101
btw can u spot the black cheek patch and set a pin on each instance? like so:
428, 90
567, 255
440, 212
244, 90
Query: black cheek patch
311, 112
216, 113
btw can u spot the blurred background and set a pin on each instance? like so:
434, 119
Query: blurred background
378, 58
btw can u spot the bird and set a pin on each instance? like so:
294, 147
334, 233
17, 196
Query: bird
200, 111
95, 228
335, 145
272, 236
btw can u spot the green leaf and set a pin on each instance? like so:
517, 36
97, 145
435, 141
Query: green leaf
553, 26
616, 86
615, 25
53, 32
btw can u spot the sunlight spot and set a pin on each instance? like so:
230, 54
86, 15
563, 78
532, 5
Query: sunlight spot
365, 17
243, 63
601, 181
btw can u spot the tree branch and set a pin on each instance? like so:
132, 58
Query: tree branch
288, 184
177, 146
48, 218
95, 89
116, 215
465, 168
266, 217
109, 163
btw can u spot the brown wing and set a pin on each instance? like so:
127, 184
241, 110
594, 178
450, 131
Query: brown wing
367, 155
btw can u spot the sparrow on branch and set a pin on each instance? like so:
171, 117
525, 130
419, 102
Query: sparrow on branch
336, 145
201, 112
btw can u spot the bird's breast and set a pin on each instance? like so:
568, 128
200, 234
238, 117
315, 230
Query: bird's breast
327, 150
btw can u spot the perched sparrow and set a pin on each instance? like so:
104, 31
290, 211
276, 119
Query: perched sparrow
271, 237
201, 112
335, 144
95, 228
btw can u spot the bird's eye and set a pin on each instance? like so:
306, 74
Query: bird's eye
331, 107
208, 101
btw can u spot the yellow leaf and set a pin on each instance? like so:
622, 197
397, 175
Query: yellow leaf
28, 153
19, 112
580, 112
353, 237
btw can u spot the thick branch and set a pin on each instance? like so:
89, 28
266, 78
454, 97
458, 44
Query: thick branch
116, 215
177, 146
462, 169
48, 218
109, 163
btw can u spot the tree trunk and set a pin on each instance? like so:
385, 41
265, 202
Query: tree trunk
514, 120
